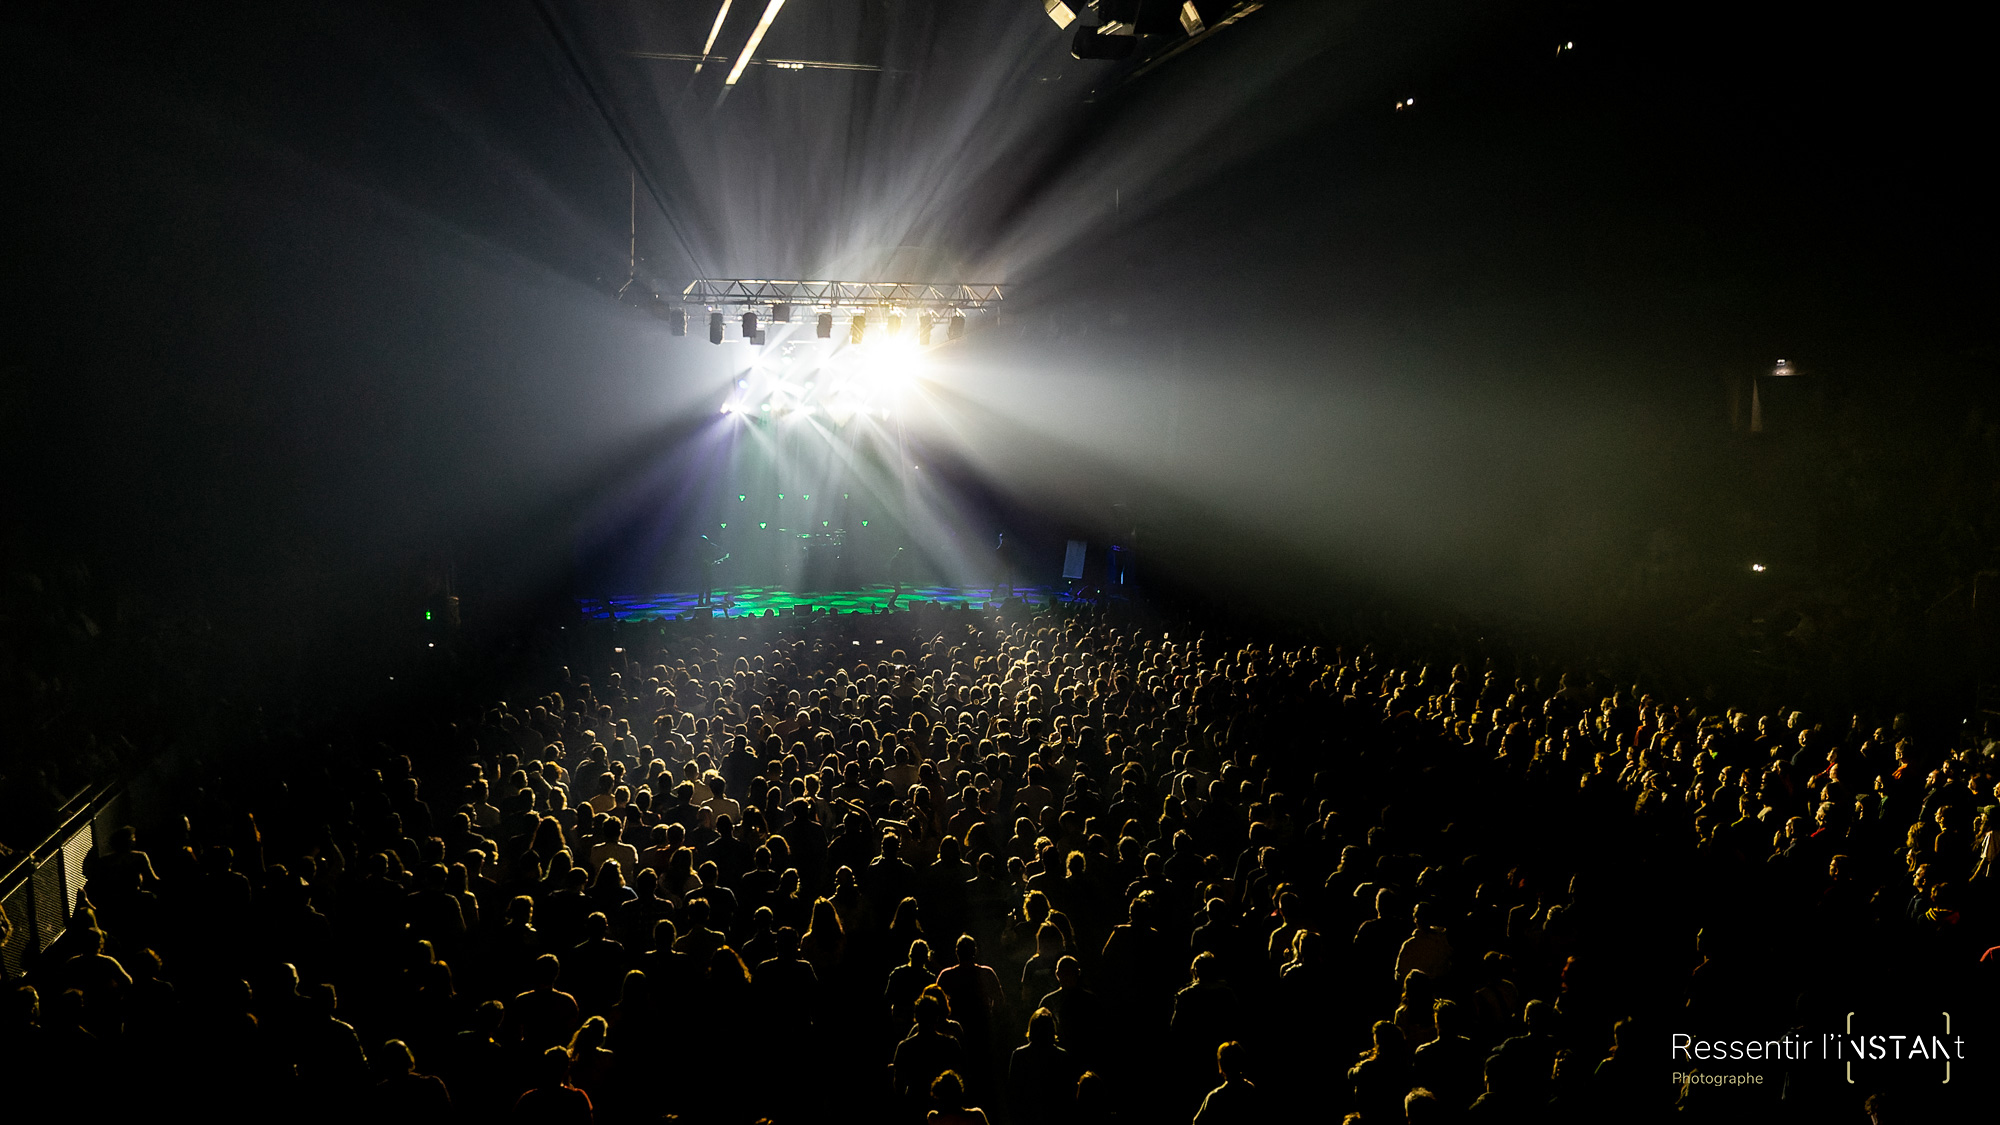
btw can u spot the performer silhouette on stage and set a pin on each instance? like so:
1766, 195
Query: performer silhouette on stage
1003, 569
708, 572
895, 578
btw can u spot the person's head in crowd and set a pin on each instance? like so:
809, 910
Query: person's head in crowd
1230, 1060
590, 1036
1537, 1016
393, 1060
545, 971
948, 1091
552, 1070
1386, 1042
1042, 1028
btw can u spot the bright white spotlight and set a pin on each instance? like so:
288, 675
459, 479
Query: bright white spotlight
889, 368
1060, 12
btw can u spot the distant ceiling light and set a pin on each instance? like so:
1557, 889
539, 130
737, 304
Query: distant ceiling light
1060, 12
826, 326
956, 328
856, 328
715, 328
756, 37
1784, 367
924, 331
1198, 16
1758, 567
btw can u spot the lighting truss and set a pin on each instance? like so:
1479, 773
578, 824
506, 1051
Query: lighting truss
945, 297
778, 64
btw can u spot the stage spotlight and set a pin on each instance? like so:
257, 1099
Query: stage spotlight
781, 314
750, 326
1093, 43
924, 331
857, 328
1060, 12
826, 326
715, 328
956, 328
1197, 16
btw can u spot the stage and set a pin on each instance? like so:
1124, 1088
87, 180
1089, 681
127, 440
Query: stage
747, 601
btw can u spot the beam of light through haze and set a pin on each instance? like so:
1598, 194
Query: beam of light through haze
756, 37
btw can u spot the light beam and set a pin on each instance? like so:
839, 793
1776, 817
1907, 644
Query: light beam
756, 37
712, 33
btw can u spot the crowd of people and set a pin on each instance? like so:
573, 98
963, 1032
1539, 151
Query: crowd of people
1009, 866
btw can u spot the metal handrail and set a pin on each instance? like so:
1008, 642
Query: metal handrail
82, 808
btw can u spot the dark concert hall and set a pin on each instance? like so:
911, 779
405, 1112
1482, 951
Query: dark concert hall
1000, 562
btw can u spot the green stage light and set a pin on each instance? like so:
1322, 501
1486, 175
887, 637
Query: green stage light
762, 526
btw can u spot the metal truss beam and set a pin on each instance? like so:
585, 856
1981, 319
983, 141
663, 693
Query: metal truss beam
844, 294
